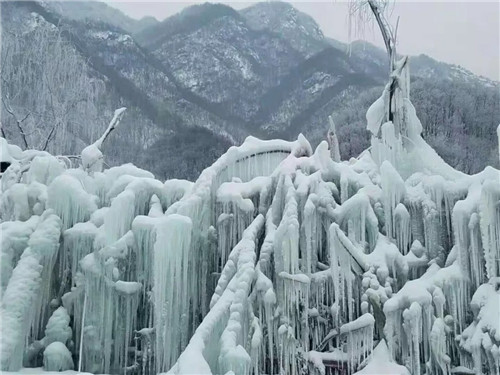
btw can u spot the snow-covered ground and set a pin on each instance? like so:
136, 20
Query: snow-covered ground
40, 370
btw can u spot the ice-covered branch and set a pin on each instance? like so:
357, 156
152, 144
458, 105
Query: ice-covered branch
92, 157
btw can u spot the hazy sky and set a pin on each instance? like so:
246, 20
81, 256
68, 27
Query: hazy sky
466, 33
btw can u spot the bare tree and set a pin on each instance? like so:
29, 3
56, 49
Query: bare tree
17, 120
6, 95
397, 89
362, 12
46, 86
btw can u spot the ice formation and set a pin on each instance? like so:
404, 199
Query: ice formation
277, 260
57, 357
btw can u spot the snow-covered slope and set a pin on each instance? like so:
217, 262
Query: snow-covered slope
209, 76
299, 29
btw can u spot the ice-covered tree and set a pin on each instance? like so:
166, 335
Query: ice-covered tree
46, 88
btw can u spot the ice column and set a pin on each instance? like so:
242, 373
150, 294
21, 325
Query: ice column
393, 189
173, 280
490, 226
403, 229
17, 309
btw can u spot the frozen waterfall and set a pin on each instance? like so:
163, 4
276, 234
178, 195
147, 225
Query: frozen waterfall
277, 260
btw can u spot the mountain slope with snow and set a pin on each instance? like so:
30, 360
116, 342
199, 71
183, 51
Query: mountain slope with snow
266, 70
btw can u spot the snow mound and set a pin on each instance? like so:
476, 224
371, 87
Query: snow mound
381, 363
56, 357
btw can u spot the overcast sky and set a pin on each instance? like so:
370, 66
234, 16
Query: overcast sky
466, 33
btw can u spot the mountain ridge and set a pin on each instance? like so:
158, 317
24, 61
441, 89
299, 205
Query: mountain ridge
232, 75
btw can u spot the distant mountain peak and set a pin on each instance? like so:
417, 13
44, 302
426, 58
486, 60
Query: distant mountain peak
188, 20
95, 12
300, 29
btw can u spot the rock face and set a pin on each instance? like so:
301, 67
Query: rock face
209, 76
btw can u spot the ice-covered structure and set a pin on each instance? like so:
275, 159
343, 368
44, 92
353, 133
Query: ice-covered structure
277, 260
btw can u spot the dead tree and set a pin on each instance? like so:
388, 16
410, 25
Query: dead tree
397, 90
19, 121
362, 11
45, 87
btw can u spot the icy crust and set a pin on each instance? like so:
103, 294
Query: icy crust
235, 162
67, 197
240, 193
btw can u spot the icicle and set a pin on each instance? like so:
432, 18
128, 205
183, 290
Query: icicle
403, 230
477, 267
440, 361
18, 314
345, 261
43, 169
393, 191
70, 201
144, 230
78, 242
311, 232
359, 339
155, 208
127, 300
172, 288
462, 213
412, 325
287, 234
363, 228
44, 242
490, 227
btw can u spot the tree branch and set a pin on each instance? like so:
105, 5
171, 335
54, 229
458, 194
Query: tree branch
385, 30
112, 125
3, 131
18, 123
49, 137
25, 117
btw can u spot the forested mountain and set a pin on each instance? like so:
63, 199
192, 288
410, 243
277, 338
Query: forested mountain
209, 76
